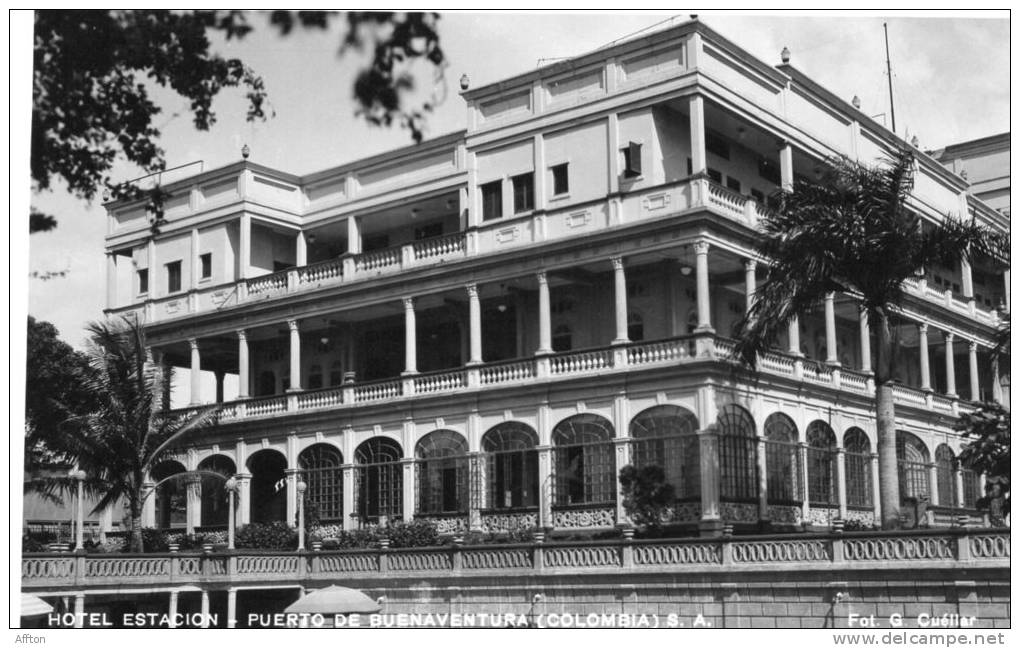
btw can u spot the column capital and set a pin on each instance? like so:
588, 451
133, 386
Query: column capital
617, 262
292, 324
922, 328
472, 291
948, 335
972, 346
193, 343
750, 264
242, 335
701, 247
408, 303
542, 278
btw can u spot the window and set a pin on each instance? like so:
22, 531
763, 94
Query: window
173, 276
714, 175
666, 436
758, 196
858, 468
431, 230
583, 466
206, 261
441, 471
511, 465
378, 479
733, 183
738, 447
143, 281
524, 192
561, 179
782, 460
562, 339
632, 160
492, 200
322, 473
945, 471
635, 327
821, 459
315, 376
912, 459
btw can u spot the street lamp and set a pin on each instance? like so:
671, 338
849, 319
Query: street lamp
301, 487
79, 538
231, 487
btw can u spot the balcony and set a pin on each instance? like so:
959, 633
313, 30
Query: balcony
783, 553
602, 361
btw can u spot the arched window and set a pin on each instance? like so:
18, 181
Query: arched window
442, 473
666, 436
214, 492
322, 473
583, 464
858, 469
912, 460
511, 466
821, 460
945, 471
738, 466
171, 495
268, 486
378, 479
635, 327
971, 487
782, 460
562, 339
315, 376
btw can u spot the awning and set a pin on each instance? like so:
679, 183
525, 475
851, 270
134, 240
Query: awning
32, 605
335, 600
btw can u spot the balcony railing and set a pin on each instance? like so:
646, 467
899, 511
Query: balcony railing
961, 548
573, 364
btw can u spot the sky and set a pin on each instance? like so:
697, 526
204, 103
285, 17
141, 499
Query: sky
950, 77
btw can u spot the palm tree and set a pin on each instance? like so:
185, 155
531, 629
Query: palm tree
127, 430
852, 232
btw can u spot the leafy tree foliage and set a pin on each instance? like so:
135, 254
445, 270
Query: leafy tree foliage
91, 104
124, 432
54, 378
988, 452
647, 495
853, 233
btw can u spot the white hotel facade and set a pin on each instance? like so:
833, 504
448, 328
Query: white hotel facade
483, 329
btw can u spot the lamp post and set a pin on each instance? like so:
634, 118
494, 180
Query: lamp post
231, 487
79, 538
301, 487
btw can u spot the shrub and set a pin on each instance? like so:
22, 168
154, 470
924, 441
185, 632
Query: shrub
858, 525
153, 540
417, 533
646, 495
28, 544
262, 535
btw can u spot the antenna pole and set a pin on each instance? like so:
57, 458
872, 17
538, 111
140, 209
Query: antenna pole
888, 69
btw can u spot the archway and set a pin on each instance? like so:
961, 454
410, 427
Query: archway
666, 436
171, 501
379, 480
322, 473
584, 468
511, 464
268, 486
442, 472
214, 493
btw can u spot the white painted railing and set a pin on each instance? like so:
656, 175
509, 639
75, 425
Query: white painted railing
507, 372
662, 351
264, 406
377, 391
443, 382
439, 247
267, 284
331, 270
377, 260
581, 361
320, 398
729, 201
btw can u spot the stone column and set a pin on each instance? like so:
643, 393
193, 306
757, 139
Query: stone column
111, 280
545, 478
865, 341
711, 520
841, 481
763, 482
750, 283
205, 608
622, 455
1005, 281
831, 353
243, 365
300, 249
786, 167
353, 235
950, 366
975, 386
219, 385
172, 611
703, 295
243, 497
922, 350
696, 107
407, 483
295, 355
79, 610
793, 333
292, 498
149, 504
410, 338
150, 250
232, 607
474, 325
966, 279
244, 254
544, 318
806, 504
620, 300
193, 504
350, 521
958, 478
196, 373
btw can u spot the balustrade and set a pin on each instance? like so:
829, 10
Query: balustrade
581, 361
979, 547
507, 372
729, 201
377, 260
439, 247
662, 351
320, 398
321, 272
267, 284
377, 391
433, 383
